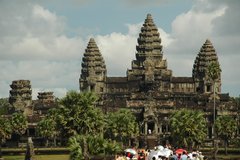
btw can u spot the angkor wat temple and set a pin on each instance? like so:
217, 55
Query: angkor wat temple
150, 89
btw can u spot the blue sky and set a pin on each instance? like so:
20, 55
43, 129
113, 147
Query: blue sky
106, 16
110, 16
44, 40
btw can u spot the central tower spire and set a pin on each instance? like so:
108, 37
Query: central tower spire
149, 65
149, 41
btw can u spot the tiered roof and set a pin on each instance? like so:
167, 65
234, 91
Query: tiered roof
21, 91
149, 41
46, 96
92, 61
206, 55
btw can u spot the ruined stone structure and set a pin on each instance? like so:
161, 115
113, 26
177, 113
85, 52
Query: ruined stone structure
21, 100
150, 89
21, 96
46, 101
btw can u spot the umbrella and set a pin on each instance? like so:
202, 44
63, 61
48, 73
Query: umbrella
154, 154
130, 150
180, 151
157, 153
160, 147
167, 152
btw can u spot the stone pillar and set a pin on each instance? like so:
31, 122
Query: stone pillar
160, 128
155, 128
30, 155
145, 128
213, 132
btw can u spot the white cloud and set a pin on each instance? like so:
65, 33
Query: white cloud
118, 51
207, 19
197, 22
45, 75
34, 46
41, 13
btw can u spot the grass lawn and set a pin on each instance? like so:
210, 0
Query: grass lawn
39, 157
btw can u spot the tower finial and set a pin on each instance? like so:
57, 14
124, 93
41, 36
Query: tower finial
149, 16
149, 41
208, 40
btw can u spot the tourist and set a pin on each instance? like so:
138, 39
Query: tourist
149, 131
174, 156
184, 156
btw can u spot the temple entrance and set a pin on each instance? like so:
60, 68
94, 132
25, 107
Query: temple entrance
150, 127
210, 132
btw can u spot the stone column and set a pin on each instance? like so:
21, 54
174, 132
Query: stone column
160, 128
156, 128
145, 128
30, 155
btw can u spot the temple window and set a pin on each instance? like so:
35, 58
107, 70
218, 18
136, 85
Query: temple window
164, 128
198, 89
210, 132
208, 88
92, 87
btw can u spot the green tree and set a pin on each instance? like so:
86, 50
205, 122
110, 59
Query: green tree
60, 118
112, 147
4, 106
47, 128
213, 73
19, 123
96, 144
122, 125
188, 128
75, 148
226, 128
5, 131
80, 116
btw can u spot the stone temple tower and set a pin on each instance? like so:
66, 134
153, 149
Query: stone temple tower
149, 66
206, 55
93, 73
21, 96
149, 89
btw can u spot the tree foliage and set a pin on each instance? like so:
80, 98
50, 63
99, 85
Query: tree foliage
80, 116
75, 148
122, 125
226, 129
19, 123
5, 131
47, 128
188, 128
213, 71
78, 119
4, 106
96, 145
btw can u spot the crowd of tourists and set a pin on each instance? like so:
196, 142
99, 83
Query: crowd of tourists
160, 153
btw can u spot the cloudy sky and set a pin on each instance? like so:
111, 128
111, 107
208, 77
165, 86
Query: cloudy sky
44, 40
